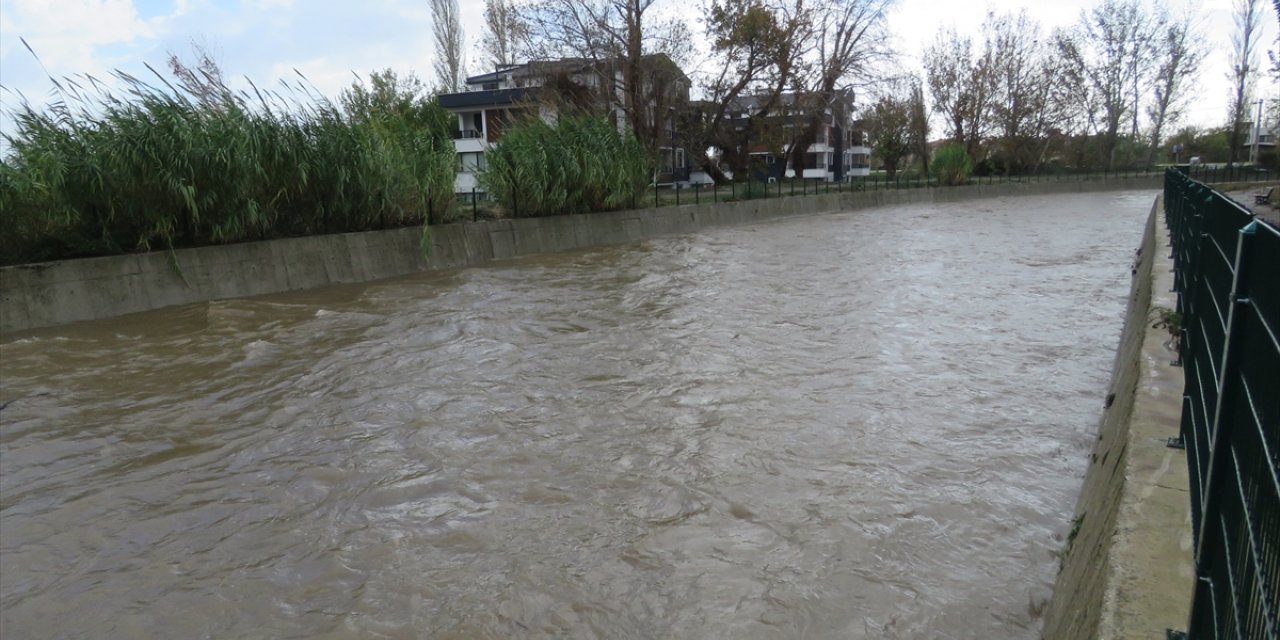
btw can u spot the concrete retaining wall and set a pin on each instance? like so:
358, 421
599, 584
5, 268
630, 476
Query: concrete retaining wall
53, 293
1127, 571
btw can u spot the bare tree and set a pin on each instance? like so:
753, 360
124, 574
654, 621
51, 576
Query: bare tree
505, 33
1017, 82
849, 39
614, 35
947, 65
1110, 45
1178, 54
755, 49
1272, 55
1081, 101
1244, 49
1032, 90
450, 63
1083, 107
960, 82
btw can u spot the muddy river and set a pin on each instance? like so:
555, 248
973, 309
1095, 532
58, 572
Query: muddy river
864, 425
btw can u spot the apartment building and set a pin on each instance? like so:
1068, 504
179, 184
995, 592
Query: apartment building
543, 89
838, 153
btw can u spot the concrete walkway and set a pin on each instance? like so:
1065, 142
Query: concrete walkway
1266, 211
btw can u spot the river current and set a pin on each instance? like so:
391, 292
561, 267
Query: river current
861, 425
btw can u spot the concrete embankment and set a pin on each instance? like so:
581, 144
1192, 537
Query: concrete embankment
53, 293
1127, 569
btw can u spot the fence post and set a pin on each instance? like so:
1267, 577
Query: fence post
675, 187
475, 210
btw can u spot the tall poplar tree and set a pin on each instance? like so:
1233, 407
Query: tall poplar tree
1244, 65
450, 64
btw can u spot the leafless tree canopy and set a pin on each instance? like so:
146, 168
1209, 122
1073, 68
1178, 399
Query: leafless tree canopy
505, 32
959, 79
450, 63
614, 36
848, 46
1107, 87
1013, 93
1179, 51
1111, 46
1244, 67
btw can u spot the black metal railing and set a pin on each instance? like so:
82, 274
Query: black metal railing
1227, 277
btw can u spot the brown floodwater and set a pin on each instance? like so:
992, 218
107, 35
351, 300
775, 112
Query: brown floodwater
864, 425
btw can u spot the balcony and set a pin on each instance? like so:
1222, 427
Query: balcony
469, 145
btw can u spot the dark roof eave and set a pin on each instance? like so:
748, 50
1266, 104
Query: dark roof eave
492, 98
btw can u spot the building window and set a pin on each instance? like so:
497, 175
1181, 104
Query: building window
471, 162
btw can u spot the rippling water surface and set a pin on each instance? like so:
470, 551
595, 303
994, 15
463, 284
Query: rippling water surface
846, 426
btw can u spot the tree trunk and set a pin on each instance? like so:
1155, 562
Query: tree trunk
1155, 137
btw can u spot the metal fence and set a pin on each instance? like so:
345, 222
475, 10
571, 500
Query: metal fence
1227, 277
477, 205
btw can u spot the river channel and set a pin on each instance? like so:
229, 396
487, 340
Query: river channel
861, 425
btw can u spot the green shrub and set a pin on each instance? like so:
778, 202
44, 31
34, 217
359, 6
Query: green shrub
578, 165
951, 164
168, 166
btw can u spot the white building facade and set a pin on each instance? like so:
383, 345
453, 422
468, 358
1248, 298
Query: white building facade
494, 101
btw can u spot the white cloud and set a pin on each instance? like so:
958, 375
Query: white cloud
66, 34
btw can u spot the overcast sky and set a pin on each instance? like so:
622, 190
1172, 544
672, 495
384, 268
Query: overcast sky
326, 40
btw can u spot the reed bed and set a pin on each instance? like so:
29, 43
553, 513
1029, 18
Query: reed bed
157, 165
578, 165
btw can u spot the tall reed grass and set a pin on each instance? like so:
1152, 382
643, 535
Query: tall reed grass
577, 165
167, 164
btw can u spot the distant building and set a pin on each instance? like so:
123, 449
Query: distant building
1260, 141
838, 153
544, 88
